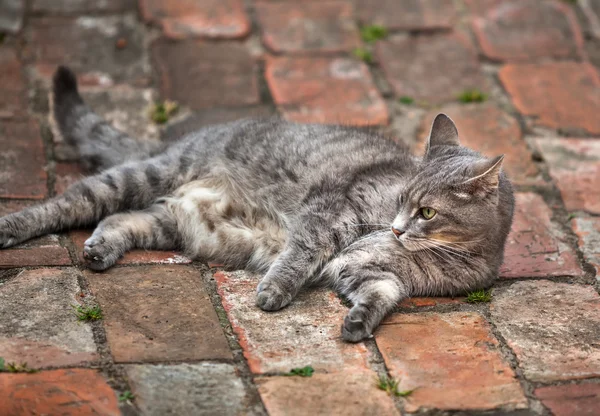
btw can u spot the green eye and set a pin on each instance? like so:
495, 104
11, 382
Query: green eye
428, 213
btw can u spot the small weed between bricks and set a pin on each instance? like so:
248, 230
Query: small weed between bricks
364, 55
390, 386
126, 396
87, 313
160, 113
406, 100
472, 96
15, 368
373, 33
302, 372
479, 296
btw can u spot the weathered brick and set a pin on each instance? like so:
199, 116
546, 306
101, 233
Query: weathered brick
212, 116
575, 166
562, 95
305, 333
588, 231
12, 84
59, 41
21, 146
188, 389
11, 15
412, 15
308, 26
66, 392
225, 73
452, 360
423, 302
38, 325
351, 392
193, 18
551, 327
536, 246
124, 107
571, 399
433, 68
138, 256
325, 90
82, 6
527, 30
489, 130
159, 313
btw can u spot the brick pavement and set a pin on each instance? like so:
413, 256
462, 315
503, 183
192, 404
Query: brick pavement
186, 338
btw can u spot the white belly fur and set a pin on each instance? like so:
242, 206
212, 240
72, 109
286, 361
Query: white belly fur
218, 226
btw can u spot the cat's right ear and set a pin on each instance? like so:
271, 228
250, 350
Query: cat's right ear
443, 132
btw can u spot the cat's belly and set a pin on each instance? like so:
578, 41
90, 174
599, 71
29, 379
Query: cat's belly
217, 225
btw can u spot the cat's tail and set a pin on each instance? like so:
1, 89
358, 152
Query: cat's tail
100, 145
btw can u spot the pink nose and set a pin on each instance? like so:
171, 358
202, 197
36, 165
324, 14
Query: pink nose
397, 232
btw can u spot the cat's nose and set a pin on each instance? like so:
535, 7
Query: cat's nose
397, 232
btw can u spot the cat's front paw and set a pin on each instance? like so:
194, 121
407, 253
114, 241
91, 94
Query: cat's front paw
99, 253
355, 326
271, 298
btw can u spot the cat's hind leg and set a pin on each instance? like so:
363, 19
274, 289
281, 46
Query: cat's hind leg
152, 228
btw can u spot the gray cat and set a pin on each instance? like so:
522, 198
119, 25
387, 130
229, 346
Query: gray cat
305, 204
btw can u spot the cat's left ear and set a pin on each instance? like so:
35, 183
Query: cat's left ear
443, 132
486, 176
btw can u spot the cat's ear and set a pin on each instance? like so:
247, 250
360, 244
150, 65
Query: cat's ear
443, 132
486, 176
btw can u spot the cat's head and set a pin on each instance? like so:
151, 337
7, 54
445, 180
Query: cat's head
456, 201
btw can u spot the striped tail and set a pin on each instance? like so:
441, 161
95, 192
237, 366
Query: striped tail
100, 145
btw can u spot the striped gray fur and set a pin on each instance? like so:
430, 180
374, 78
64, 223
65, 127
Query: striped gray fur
304, 204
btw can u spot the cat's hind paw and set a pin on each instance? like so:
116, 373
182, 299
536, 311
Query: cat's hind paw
271, 298
99, 254
7, 235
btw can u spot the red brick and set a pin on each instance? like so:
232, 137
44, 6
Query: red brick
559, 94
347, 393
38, 325
305, 333
137, 256
489, 130
74, 391
551, 327
225, 73
451, 360
412, 15
308, 26
433, 68
423, 302
198, 18
82, 6
571, 399
159, 313
21, 146
588, 231
575, 166
536, 246
12, 84
11, 15
56, 41
527, 30
325, 90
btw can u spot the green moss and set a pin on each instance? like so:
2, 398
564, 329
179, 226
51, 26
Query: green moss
363, 55
302, 372
479, 296
406, 100
390, 386
373, 33
88, 313
126, 396
160, 113
472, 96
